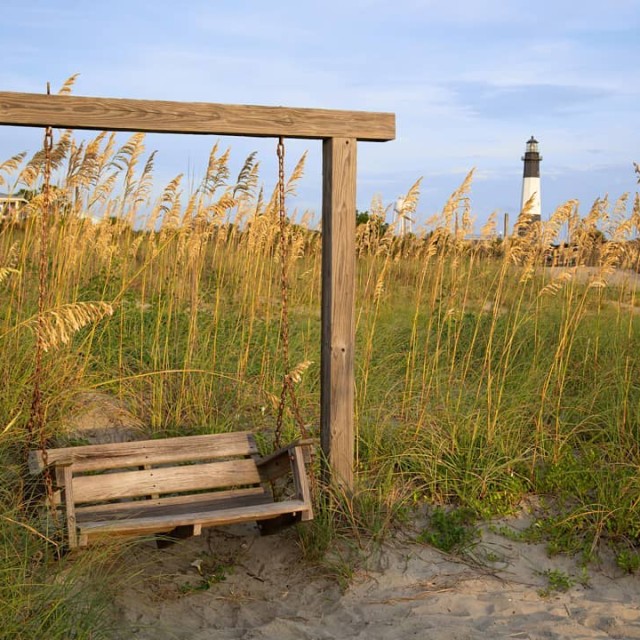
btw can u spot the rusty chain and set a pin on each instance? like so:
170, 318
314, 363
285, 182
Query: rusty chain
36, 423
287, 382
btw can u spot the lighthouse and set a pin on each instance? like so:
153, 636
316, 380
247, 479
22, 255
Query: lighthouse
531, 179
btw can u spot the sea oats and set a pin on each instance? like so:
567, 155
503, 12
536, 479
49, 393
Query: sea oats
57, 326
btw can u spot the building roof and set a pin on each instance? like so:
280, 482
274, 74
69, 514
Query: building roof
8, 197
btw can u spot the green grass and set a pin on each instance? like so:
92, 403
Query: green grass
45, 594
480, 379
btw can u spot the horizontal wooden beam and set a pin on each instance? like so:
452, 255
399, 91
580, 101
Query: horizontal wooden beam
161, 116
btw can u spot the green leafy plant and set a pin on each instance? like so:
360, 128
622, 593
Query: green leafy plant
557, 582
450, 530
209, 576
628, 560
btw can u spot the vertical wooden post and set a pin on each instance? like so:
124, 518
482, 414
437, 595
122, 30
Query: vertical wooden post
338, 307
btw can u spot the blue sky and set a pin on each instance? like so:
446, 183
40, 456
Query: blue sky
469, 81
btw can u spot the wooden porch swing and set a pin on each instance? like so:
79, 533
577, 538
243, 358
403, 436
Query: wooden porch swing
149, 487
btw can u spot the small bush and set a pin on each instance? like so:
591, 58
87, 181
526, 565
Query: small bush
450, 531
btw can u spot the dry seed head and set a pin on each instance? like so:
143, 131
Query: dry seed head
35, 166
456, 199
597, 212
5, 272
192, 206
57, 326
217, 172
297, 173
68, 84
11, 165
297, 248
135, 246
305, 220
129, 152
104, 248
144, 184
556, 285
295, 375
74, 163
527, 272
103, 190
377, 207
223, 205
247, 178
489, 228
379, 290
171, 206
11, 260
551, 229
410, 201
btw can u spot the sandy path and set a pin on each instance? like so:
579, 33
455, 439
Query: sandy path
408, 591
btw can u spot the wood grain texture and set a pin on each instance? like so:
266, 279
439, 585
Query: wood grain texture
306, 443
160, 116
279, 463
203, 519
109, 508
338, 287
301, 482
275, 467
175, 505
143, 452
69, 505
194, 477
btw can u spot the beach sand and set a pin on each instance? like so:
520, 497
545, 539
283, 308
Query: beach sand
233, 583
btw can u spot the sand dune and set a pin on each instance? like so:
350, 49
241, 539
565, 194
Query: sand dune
234, 584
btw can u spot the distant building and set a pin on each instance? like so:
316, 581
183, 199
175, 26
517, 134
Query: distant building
403, 223
531, 184
12, 207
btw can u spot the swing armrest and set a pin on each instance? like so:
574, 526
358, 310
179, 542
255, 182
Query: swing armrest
279, 463
37, 465
63, 493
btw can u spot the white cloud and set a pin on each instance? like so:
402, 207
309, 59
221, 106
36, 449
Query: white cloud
469, 81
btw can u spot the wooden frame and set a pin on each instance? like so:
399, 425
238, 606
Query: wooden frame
163, 116
339, 130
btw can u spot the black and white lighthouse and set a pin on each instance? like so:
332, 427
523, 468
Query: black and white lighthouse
531, 179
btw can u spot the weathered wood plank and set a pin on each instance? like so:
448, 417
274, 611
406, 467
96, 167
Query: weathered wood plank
69, 504
279, 463
338, 287
203, 519
176, 505
161, 116
155, 496
142, 452
275, 467
193, 477
301, 481
300, 442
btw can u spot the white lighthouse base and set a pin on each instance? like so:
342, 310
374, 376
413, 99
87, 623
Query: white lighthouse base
531, 187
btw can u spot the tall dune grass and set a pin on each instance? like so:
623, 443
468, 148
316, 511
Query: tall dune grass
482, 375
